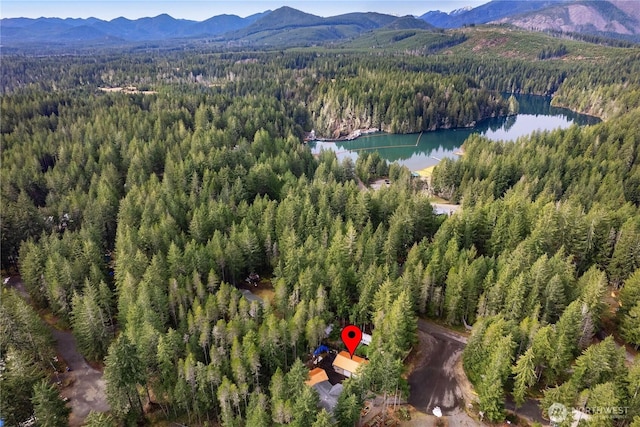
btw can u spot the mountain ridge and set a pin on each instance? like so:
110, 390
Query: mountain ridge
591, 17
284, 26
287, 27
610, 18
16, 31
484, 13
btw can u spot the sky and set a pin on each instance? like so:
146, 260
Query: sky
199, 10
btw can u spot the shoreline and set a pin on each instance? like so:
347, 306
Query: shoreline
310, 137
425, 173
590, 114
370, 131
551, 98
352, 136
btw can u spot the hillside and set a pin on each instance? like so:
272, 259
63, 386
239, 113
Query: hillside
223, 23
618, 18
279, 19
516, 43
487, 41
290, 27
482, 14
409, 22
411, 40
610, 18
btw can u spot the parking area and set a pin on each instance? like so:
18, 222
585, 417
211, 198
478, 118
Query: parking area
378, 184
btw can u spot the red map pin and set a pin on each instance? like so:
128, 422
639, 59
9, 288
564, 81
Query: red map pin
351, 337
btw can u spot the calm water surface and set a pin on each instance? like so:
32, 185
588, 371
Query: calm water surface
417, 151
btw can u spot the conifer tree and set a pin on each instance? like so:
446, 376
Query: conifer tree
90, 323
524, 375
323, 419
123, 373
48, 407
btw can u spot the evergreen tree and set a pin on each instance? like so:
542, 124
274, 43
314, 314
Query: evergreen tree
490, 389
20, 377
123, 373
323, 419
633, 389
347, 410
257, 413
629, 294
176, 192
604, 397
630, 327
600, 363
524, 375
99, 419
48, 407
305, 407
90, 323
626, 255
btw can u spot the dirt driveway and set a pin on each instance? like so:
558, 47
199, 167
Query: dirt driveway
433, 380
456, 419
437, 379
86, 391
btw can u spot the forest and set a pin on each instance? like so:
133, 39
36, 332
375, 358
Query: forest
133, 218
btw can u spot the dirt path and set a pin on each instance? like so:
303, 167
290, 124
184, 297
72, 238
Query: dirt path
361, 185
86, 389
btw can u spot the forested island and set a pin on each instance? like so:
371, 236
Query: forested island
134, 217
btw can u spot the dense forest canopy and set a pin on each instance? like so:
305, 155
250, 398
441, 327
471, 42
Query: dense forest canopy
134, 216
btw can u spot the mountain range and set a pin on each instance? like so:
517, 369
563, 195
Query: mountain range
161, 27
290, 27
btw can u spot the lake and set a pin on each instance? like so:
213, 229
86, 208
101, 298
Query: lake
418, 151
